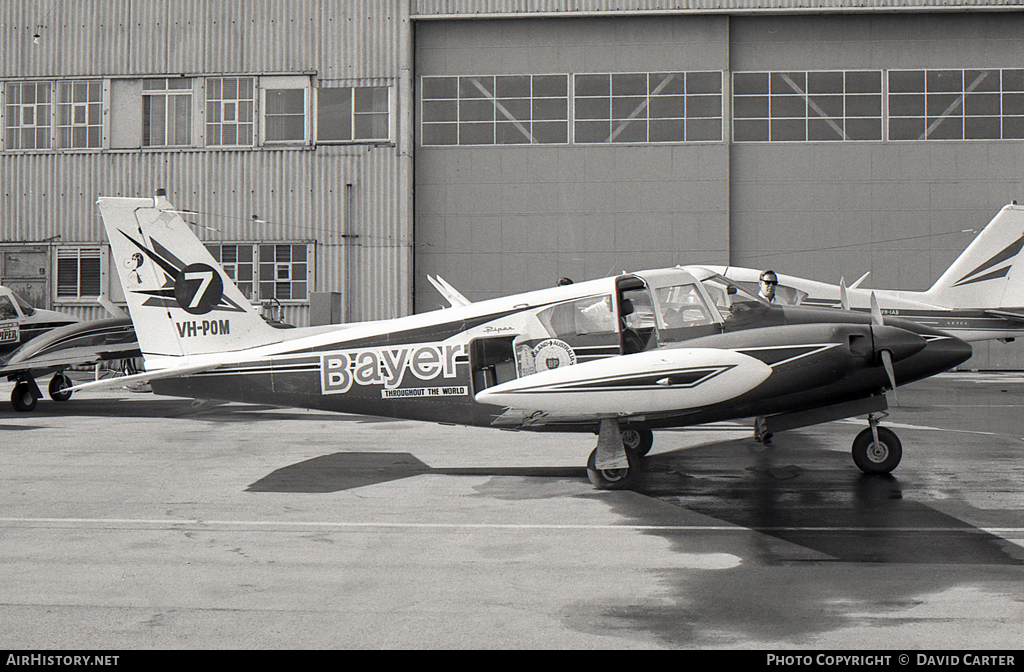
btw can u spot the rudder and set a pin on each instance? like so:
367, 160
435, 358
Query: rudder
990, 272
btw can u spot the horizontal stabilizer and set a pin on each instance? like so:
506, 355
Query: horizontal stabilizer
450, 294
120, 381
1008, 314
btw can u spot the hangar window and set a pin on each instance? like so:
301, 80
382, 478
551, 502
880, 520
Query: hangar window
494, 110
647, 107
80, 114
167, 112
27, 115
266, 271
807, 106
353, 114
79, 273
285, 110
230, 111
956, 104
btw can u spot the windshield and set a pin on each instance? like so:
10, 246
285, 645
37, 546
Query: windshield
7, 311
729, 297
26, 308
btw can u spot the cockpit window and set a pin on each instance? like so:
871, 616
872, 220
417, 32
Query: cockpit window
26, 307
590, 315
7, 311
729, 297
682, 306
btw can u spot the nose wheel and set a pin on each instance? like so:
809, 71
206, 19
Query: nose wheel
614, 463
877, 450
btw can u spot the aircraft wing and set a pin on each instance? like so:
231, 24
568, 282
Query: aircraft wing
77, 344
173, 372
450, 294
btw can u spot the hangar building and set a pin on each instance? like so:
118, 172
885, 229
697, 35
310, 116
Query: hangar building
335, 153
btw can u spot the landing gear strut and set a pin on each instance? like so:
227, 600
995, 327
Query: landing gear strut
614, 463
58, 387
877, 450
25, 394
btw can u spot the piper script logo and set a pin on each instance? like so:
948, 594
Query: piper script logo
388, 366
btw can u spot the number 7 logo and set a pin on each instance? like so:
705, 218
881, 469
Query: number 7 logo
198, 288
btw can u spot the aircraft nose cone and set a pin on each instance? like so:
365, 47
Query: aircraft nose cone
941, 354
953, 350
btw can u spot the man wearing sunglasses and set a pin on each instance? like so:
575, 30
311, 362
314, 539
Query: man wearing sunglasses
768, 282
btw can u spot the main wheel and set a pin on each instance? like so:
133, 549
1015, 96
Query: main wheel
22, 398
613, 479
639, 440
877, 458
58, 384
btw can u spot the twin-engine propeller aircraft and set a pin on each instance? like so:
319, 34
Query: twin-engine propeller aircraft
617, 357
979, 297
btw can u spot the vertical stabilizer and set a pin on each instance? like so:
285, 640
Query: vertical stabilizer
181, 301
990, 272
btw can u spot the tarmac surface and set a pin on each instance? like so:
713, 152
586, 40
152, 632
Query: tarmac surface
133, 521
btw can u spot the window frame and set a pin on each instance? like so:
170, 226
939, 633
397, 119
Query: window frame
168, 93
955, 104
504, 126
641, 102
221, 102
777, 115
99, 253
352, 115
269, 84
258, 267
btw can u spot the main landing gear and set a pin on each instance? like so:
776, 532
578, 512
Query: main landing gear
877, 450
615, 462
26, 393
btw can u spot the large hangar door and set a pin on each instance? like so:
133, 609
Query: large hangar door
572, 148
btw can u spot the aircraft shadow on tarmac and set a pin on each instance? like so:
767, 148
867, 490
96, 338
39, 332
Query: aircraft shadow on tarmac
817, 499
345, 471
826, 506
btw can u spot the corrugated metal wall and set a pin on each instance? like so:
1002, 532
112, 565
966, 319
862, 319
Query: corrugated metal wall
426, 9
301, 191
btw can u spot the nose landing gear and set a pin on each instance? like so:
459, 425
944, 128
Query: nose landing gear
877, 450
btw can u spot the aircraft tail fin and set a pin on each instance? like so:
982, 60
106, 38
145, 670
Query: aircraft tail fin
180, 299
990, 272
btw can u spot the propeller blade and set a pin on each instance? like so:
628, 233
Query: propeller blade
876, 312
844, 300
887, 363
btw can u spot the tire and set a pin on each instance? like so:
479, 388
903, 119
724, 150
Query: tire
638, 440
22, 398
57, 386
613, 479
880, 458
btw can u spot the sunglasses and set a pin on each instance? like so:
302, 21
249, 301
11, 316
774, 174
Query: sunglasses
770, 282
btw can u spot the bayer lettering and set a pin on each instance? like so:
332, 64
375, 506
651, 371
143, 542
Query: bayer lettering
387, 366
196, 328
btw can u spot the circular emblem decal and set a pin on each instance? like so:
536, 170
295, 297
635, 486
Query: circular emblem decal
198, 288
552, 354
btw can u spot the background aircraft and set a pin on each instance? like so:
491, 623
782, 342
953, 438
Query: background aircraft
20, 322
78, 344
617, 357
979, 297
